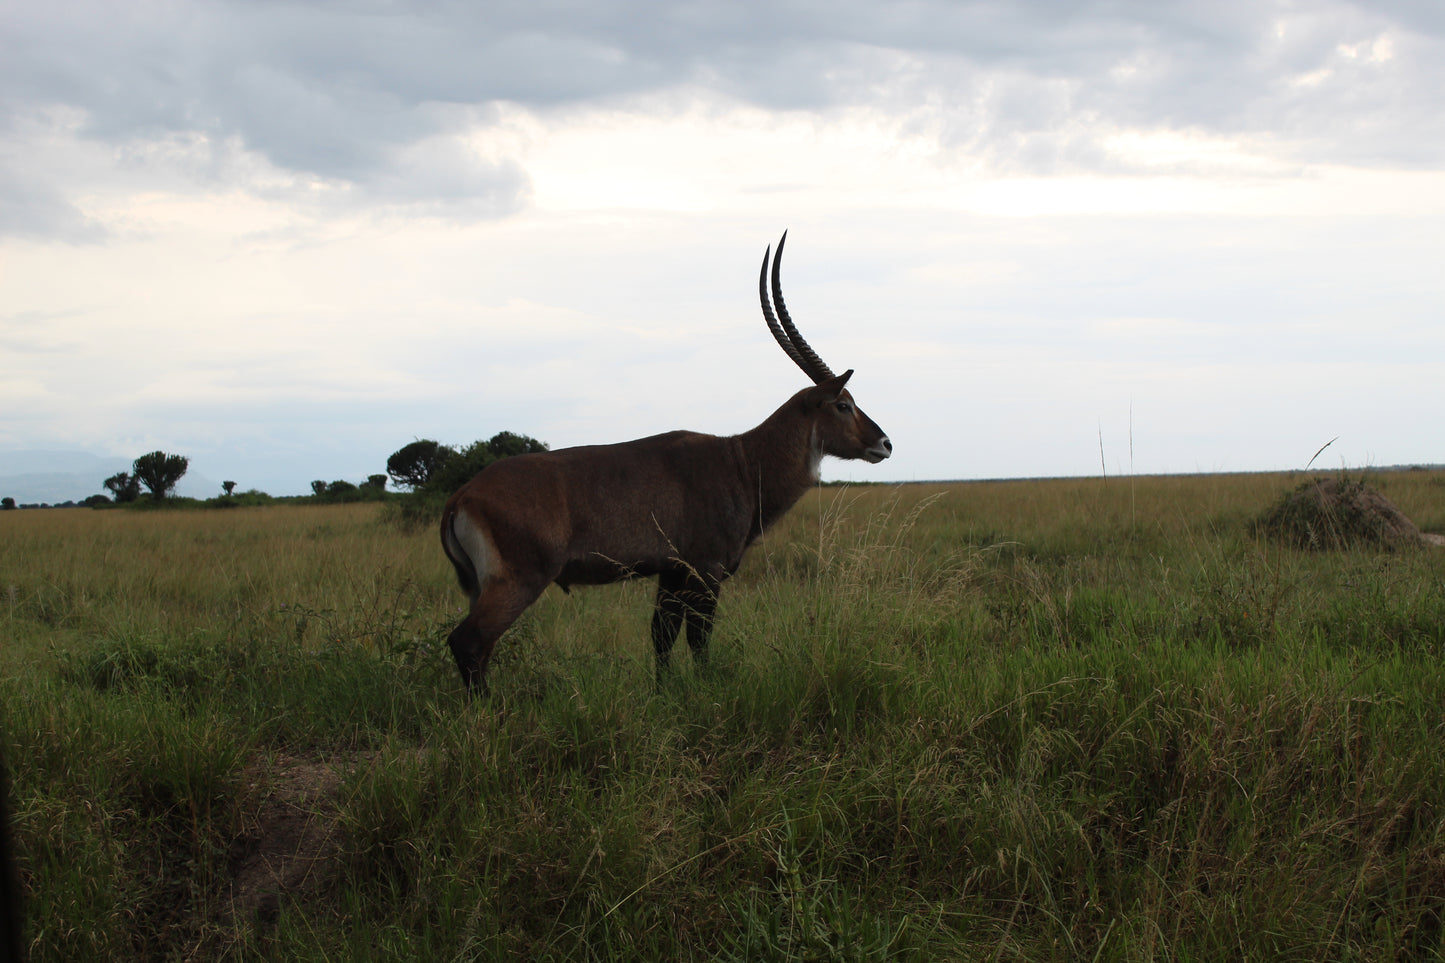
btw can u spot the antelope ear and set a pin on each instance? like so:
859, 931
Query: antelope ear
832, 387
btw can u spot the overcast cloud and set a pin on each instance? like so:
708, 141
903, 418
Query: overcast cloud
287, 238
376, 96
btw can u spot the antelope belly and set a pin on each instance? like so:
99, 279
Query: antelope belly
597, 570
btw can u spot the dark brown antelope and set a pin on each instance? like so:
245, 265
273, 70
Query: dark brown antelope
682, 506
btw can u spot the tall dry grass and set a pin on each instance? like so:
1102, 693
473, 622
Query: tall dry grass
1033, 720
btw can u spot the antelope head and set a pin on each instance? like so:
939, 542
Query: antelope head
839, 426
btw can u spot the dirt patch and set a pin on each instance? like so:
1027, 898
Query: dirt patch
1333, 513
293, 848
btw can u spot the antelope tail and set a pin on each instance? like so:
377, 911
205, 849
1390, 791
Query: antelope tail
457, 553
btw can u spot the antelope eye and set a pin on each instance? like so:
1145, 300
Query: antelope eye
844, 407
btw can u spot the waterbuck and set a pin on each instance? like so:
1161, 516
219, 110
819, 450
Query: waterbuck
683, 506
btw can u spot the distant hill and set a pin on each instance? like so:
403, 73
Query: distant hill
36, 476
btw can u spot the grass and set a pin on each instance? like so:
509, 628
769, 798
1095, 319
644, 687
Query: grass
1065, 720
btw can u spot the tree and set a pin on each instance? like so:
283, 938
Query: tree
159, 472
340, 487
318, 487
412, 466
124, 486
376, 481
504, 444
464, 465
457, 470
433, 471
228, 487
7, 503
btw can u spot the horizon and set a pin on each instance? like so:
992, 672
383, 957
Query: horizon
191, 486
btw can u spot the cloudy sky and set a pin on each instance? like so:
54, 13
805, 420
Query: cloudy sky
1053, 237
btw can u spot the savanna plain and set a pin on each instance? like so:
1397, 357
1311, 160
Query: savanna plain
1087, 719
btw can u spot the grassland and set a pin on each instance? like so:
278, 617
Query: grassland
1054, 720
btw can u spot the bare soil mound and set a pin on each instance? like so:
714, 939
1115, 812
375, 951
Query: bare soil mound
292, 850
1335, 513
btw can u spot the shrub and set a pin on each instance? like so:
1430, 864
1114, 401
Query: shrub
1336, 513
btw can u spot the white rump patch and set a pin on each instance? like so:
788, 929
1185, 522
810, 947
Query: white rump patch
467, 539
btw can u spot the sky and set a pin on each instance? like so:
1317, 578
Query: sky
1052, 237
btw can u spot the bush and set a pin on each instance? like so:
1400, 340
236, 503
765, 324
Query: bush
413, 465
448, 472
1337, 513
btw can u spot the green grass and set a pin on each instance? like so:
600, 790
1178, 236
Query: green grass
1034, 720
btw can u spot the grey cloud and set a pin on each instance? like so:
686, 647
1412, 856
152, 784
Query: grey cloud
30, 207
359, 93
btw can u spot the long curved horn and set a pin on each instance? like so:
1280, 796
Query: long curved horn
787, 334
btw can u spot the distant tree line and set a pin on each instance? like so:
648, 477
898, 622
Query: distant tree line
345, 491
427, 470
157, 471
432, 471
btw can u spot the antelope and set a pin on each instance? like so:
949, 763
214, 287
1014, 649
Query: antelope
682, 506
